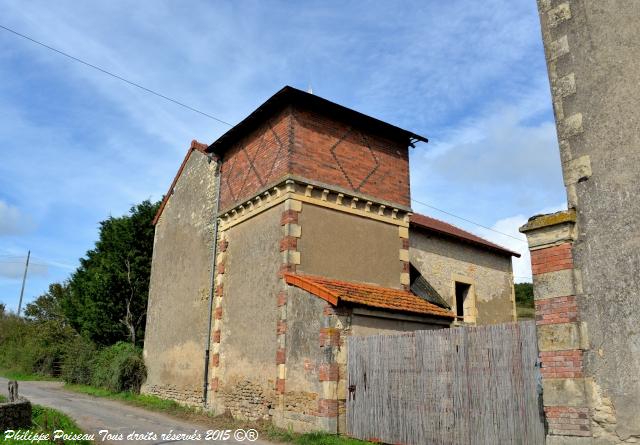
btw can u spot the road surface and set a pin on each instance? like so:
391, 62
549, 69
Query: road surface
94, 414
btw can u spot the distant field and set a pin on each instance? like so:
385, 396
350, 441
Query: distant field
525, 312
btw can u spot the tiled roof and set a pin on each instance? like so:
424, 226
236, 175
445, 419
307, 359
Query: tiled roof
336, 291
195, 145
435, 225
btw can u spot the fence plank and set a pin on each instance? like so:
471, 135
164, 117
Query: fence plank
452, 386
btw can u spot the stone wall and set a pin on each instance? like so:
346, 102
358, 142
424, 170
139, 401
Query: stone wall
179, 286
14, 415
247, 317
443, 262
592, 50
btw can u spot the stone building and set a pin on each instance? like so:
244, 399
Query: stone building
586, 259
309, 202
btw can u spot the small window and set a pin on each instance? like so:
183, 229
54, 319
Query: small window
464, 305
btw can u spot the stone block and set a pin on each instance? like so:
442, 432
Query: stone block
564, 392
569, 440
577, 169
558, 337
561, 283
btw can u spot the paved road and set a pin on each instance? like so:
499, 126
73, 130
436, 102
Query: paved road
93, 414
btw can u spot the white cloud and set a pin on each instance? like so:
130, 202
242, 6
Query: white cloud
510, 226
13, 221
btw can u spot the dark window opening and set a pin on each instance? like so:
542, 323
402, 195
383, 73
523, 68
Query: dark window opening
462, 292
421, 287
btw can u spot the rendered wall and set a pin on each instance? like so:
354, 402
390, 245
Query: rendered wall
362, 325
593, 58
179, 286
348, 247
442, 262
246, 367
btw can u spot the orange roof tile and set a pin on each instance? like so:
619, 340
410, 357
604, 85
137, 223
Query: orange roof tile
435, 225
336, 291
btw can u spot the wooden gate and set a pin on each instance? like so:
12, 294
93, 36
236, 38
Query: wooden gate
452, 386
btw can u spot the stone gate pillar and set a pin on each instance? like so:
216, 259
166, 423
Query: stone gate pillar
562, 336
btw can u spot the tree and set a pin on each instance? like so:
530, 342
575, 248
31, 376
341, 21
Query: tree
107, 295
48, 306
524, 294
3, 309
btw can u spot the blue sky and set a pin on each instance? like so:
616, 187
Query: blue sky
77, 146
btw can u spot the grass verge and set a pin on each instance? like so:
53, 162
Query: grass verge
266, 430
24, 377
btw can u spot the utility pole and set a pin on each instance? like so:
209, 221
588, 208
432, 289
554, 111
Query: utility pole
24, 280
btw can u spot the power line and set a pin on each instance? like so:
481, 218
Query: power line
467, 220
148, 90
116, 76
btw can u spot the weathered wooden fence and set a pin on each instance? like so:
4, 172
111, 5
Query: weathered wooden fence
450, 386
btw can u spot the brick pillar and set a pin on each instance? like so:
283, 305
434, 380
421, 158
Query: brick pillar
561, 334
214, 361
290, 259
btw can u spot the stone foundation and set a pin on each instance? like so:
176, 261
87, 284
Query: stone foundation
184, 395
14, 415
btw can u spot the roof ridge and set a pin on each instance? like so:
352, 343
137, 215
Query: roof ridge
469, 235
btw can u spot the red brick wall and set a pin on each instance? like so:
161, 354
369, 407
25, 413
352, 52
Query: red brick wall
255, 161
551, 259
318, 148
556, 310
334, 153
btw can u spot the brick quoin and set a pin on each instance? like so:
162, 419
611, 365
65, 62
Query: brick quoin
405, 243
281, 327
288, 243
220, 268
219, 290
215, 383
568, 420
280, 356
329, 337
405, 267
289, 217
222, 245
217, 313
551, 259
215, 360
332, 310
327, 408
282, 298
556, 310
216, 336
328, 372
286, 268
561, 364
279, 386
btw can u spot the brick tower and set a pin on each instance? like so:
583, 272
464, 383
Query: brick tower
306, 187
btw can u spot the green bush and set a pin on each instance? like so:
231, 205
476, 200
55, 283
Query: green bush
79, 362
119, 368
33, 347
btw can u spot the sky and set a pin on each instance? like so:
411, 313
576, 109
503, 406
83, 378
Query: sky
78, 146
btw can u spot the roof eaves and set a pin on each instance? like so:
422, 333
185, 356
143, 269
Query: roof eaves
311, 287
288, 95
481, 242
